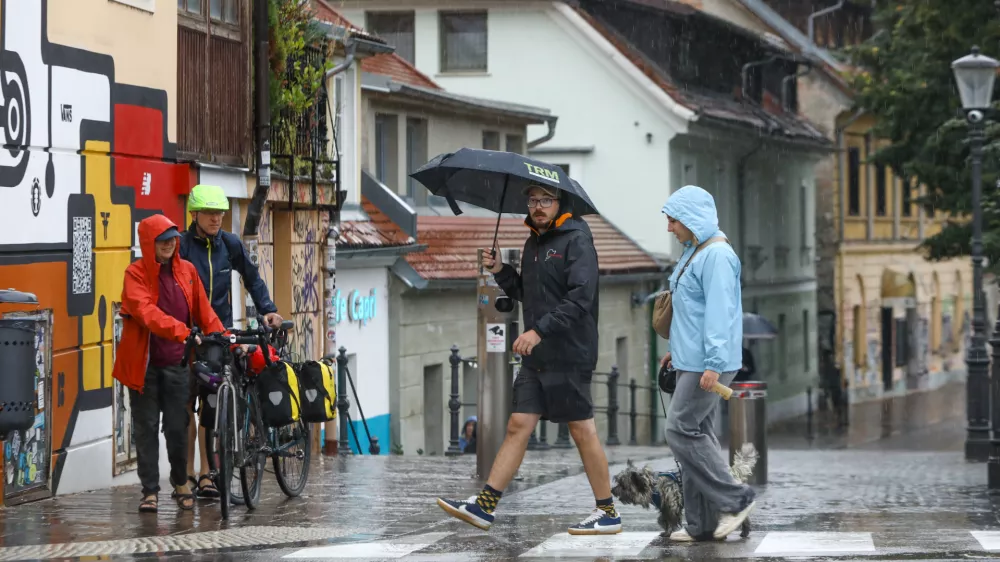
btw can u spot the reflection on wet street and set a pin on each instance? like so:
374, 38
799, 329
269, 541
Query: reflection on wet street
891, 485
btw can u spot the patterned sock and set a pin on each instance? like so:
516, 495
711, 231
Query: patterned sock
607, 506
488, 498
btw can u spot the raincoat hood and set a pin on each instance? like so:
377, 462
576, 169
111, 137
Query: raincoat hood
149, 229
694, 208
470, 419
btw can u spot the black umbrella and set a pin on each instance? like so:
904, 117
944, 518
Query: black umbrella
496, 181
756, 327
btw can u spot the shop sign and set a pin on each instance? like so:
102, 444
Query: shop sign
355, 307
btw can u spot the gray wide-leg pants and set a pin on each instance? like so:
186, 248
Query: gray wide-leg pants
709, 488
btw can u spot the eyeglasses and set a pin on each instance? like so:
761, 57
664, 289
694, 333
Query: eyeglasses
543, 202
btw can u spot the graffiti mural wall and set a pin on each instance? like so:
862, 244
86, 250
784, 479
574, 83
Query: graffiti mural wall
85, 158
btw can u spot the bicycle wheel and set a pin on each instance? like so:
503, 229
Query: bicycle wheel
291, 457
225, 444
254, 440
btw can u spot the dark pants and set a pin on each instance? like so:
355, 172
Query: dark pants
166, 391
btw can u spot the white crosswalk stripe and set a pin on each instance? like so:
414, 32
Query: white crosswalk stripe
379, 550
989, 540
653, 545
618, 546
797, 543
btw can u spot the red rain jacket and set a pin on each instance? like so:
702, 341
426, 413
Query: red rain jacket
140, 315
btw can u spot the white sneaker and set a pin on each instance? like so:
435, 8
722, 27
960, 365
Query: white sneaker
729, 522
681, 536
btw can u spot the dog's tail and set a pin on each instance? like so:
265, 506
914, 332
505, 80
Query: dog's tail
743, 462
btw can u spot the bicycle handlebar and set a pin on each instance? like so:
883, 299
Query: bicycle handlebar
259, 337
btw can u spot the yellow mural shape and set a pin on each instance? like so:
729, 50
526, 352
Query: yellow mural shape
93, 379
109, 277
97, 164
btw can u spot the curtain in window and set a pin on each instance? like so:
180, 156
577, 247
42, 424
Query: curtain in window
464, 41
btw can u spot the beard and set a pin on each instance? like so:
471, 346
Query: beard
540, 220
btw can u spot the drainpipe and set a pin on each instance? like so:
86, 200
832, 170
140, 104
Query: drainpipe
786, 87
351, 47
331, 445
823, 12
551, 122
262, 118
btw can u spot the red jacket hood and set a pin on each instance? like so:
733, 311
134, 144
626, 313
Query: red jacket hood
149, 229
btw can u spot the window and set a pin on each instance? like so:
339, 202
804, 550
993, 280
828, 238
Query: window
907, 198
463, 41
491, 140
853, 181
397, 30
386, 150
416, 153
224, 11
881, 197
192, 7
805, 339
515, 144
213, 82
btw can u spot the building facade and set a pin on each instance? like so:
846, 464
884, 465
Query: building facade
890, 321
92, 133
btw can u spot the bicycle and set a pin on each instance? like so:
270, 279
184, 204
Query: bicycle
281, 444
215, 371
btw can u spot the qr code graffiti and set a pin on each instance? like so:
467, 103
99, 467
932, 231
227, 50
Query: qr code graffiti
82, 254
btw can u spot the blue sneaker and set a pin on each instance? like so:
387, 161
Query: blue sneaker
598, 523
468, 511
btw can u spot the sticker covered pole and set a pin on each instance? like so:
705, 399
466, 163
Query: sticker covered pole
497, 324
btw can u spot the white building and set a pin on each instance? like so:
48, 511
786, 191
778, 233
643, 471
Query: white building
650, 97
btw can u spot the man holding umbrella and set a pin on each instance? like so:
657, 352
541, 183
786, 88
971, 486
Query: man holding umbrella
558, 286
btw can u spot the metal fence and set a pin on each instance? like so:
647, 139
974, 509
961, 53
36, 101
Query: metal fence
606, 390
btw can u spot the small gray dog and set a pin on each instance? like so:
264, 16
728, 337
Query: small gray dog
644, 487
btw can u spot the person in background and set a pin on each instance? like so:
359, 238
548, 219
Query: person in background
216, 253
162, 298
749, 369
467, 441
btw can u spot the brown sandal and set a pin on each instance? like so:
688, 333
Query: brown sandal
148, 504
184, 501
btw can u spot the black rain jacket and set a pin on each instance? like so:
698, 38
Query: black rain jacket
215, 260
558, 287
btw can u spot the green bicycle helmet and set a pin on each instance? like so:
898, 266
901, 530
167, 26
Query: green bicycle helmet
207, 198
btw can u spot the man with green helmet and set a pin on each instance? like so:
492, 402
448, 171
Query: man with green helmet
216, 253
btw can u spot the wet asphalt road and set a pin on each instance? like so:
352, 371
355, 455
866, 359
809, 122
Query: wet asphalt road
879, 491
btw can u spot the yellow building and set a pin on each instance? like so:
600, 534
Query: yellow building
903, 320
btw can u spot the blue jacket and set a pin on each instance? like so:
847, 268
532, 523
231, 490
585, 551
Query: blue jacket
707, 327
215, 260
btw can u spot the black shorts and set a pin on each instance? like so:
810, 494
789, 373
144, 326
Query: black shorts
206, 401
558, 396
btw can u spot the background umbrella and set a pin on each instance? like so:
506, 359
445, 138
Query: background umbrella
496, 181
756, 327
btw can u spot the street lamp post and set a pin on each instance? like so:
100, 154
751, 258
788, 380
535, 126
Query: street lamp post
975, 75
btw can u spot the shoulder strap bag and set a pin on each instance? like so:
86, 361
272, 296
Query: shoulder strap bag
663, 308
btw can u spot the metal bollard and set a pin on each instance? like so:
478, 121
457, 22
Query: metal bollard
562, 438
343, 404
533, 440
454, 404
543, 437
748, 424
632, 413
613, 407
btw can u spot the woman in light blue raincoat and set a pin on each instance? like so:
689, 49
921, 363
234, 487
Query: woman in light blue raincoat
706, 346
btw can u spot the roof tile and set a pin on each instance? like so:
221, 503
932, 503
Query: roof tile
452, 243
